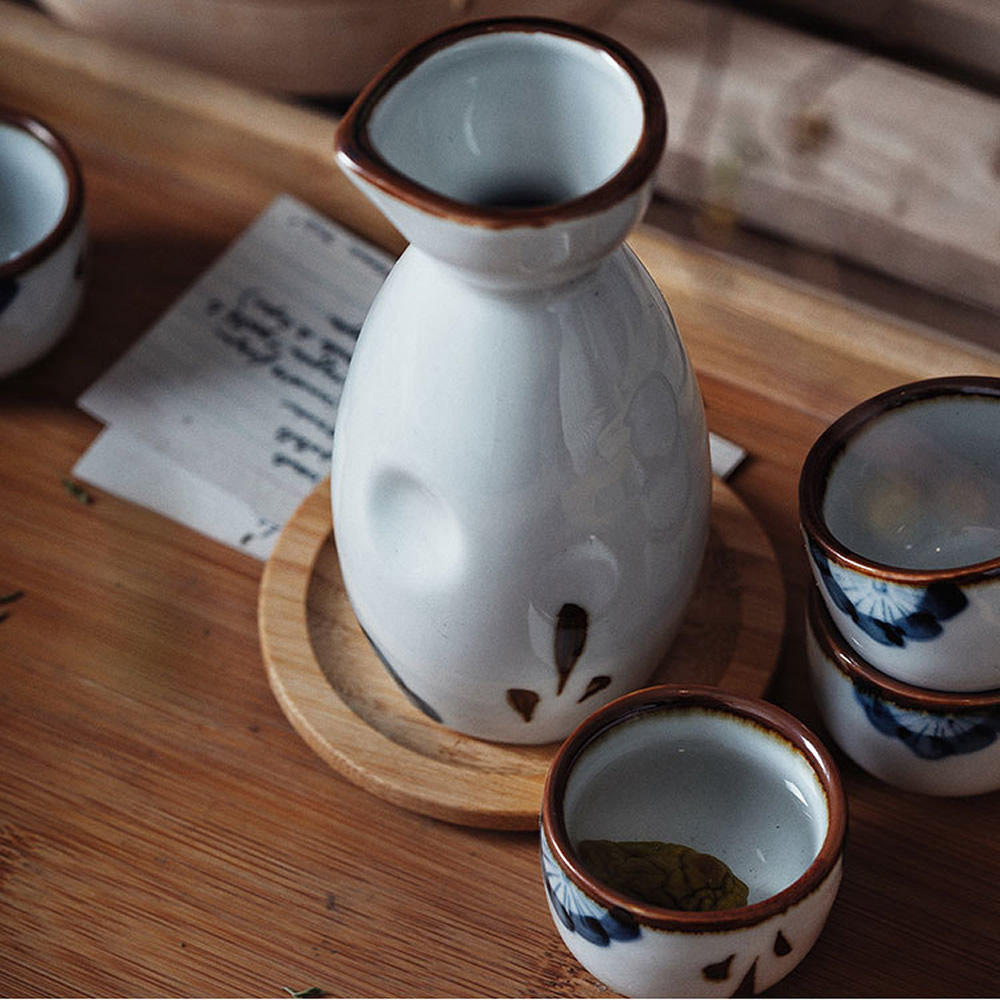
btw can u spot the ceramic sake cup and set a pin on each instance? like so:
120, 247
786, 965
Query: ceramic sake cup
899, 504
42, 239
732, 777
935, 742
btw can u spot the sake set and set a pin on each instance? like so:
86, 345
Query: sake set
522, 553
521, 498
521, 501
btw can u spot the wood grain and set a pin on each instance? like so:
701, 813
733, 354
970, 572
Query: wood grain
334, 690
961, 34
164, 830
830, 146
319, 47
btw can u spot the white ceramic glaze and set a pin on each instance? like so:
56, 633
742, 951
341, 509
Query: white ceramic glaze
732, 777
936, 742
520, 477
900, 509
42, 239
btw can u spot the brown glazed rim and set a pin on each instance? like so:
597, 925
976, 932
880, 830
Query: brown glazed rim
831, 443
357, 153
863, 675
762, 714
74, 200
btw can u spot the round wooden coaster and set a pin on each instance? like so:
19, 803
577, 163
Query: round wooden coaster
341, 700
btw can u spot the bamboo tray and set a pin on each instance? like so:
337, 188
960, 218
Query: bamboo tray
336, 694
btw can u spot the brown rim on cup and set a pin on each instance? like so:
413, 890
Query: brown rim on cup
72, 211
822, 458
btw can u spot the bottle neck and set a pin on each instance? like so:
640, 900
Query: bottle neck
505, 258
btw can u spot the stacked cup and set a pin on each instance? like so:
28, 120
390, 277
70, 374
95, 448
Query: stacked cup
899, 505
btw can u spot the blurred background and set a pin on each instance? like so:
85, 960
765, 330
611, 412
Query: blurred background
855, 147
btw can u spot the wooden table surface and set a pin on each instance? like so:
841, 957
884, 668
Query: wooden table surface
163, 830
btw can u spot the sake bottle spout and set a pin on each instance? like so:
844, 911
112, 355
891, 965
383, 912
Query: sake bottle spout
517, 148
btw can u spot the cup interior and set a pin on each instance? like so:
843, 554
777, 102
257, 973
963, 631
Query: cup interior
918, 485
34, 191
511, 119
707, 778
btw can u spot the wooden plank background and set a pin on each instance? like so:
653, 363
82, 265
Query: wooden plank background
960, 37
811, 133
825, 144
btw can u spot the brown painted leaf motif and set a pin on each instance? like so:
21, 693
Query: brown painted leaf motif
523, 702
718, 971
748, 985
781, 945
598, 683
570, 638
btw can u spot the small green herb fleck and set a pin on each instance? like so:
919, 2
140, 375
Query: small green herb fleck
312, 991
76, 491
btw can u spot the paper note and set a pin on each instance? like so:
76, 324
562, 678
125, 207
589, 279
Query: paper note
238, 383
727, 456
133, 470
222, 415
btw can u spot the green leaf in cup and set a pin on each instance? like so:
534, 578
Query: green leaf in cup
667, 875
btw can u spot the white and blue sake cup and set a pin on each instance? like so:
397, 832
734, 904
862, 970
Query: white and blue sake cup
733, 777
934, 742
899, 503
42, 239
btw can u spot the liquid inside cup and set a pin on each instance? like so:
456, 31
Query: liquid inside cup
34, 191
695, 777
919, 488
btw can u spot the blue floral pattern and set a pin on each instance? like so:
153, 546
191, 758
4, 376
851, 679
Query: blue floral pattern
931, 737
578, 913
890, 613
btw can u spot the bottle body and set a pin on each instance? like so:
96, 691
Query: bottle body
521, 490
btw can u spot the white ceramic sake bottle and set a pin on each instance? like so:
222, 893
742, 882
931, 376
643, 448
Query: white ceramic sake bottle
521, 481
